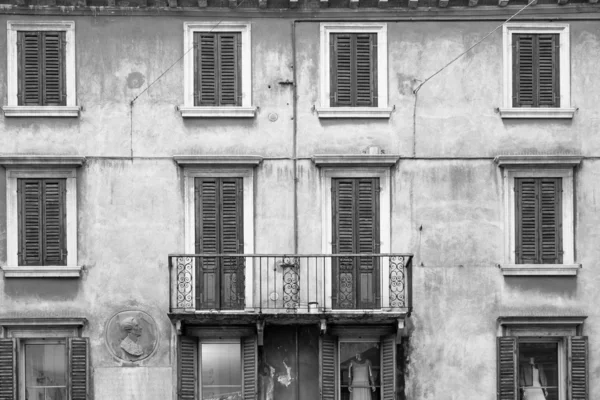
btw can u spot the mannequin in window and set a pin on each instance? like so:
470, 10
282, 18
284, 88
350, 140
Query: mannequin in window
360, 376
532, 380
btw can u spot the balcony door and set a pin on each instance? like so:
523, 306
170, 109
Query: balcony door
219, 230
355, 228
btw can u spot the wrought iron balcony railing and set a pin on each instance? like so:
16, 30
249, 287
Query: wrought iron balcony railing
298, 283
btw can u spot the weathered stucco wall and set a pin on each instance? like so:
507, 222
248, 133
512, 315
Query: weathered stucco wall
447, 195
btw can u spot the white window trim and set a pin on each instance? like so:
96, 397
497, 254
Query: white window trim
384, 175
13, 109
382, 110
12, 269
188, 110
565, 110
247, 175
568, 267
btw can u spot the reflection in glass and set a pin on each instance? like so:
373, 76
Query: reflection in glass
221, 371
359, 370
45, 372
538, 371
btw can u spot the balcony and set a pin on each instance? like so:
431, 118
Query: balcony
222, 286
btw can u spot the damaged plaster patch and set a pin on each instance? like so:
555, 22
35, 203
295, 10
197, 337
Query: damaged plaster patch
135, 80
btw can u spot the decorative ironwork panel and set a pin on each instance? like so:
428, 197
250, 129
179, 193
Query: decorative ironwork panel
346, 291
233, 275
291, 283
185, 282
397, 282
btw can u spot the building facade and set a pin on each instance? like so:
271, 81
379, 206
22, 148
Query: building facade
299, 200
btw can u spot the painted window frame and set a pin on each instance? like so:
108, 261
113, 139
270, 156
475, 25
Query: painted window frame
247, 175
12, 268
326, 110
541, 166
202, 341
188, 109
359, 171
13, 109
565, 110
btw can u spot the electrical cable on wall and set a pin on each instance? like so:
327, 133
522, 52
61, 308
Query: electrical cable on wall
416, 90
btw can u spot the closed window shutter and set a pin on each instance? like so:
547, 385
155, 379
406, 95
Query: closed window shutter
219, 229
187, 387
507, 368
29, 47
328, 364
8, 369
78, 368
41, 68
53, 71
578, 368
538, 220
218, 69
536, 70
54, 222
353, 70
388, 367
249, 367
355, 230
30, 221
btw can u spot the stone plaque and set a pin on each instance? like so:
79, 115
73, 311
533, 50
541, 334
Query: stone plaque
132, 335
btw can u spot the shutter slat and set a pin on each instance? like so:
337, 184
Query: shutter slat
78, 367
188, 368
578, 367
8, 369
327, 350
249, 367
388, 368
507, 368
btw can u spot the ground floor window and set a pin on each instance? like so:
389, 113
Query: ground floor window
221, 370
45, 370
359, 370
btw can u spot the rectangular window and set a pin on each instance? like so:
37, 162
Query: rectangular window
538, 204
536, 61
42, 233
355, 203
45, 370
353, 69
217, 75
219, 230
217, 368
41, 68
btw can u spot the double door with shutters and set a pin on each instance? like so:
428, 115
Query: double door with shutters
355, 228
219, 230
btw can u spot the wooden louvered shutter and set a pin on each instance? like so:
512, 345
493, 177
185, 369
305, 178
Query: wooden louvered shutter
355, 230
353, 70
54, 248
219, 229
218, 69
249, 367
53, 69
388, 367
30, 221
8, 369
328, 364
538, 220
29, 47
187, 368
507, 368
578, 368
536, 70
78, 368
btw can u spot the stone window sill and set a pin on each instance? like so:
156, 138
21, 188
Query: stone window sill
354, 112
540, 269
537, 112
41, 111
217, 112
42, 272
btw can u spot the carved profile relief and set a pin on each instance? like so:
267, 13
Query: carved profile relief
131, 335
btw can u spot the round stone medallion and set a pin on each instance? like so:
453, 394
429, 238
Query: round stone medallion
132, 335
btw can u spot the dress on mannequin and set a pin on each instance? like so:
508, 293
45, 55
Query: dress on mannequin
533, 381
360, 379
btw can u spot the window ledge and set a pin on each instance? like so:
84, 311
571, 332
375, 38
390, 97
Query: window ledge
354, 112
537, 112
42, 272
217, 112
540, 269
41, 111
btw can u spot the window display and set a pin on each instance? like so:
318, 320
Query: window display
359, 370
538, 371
